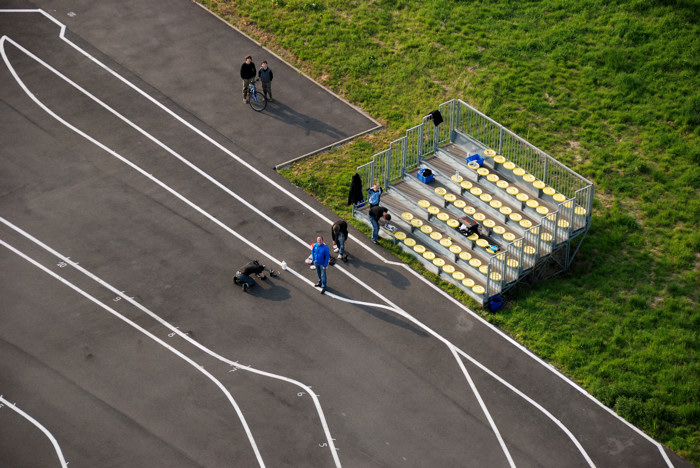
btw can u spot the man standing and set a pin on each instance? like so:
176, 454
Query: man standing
265, 75
321, 254
374, 193
247, 75
339, 233
377, 214
243, 275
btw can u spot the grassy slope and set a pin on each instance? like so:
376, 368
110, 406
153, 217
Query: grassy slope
609, 88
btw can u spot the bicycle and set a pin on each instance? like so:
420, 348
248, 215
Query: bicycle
256, 99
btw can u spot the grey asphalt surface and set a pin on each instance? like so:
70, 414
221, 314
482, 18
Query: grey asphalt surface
115, 393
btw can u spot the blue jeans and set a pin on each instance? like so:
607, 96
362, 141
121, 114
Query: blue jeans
340, 242
321, 272
246, 279
375, 229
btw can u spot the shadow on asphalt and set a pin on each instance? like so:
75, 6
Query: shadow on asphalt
288, 115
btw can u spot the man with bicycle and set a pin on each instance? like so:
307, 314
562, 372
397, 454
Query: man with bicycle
248, 73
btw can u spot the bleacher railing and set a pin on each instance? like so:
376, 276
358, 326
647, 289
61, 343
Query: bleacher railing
572, 216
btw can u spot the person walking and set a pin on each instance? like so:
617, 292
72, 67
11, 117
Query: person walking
377, 214
339, 233
374, 193
321, 255
265, 75
243, 275
247, 75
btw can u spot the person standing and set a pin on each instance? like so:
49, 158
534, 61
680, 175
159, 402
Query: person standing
265, 75
339, 233
377, 214
321, 255
247, 75
374, 193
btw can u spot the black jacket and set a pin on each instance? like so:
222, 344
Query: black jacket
356, 194
248, 71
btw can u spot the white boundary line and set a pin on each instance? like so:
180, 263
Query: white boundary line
43, 429
369, 249
151, 336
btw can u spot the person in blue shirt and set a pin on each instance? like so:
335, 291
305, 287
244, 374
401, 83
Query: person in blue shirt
321, 254
374, 193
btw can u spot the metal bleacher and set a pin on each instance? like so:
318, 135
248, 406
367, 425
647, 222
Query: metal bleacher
533, 212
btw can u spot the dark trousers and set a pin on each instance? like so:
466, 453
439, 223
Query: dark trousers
267, 89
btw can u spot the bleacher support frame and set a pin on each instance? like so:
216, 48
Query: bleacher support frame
461, 122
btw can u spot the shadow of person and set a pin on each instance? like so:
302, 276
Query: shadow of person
270, 290
398, 280
282, 112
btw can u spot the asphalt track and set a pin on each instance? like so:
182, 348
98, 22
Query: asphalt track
133, 182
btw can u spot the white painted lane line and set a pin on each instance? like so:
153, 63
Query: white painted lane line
184, 199
198, 367
501, 442
176, 331
6, 404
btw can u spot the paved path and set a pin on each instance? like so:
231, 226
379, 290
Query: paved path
130, 192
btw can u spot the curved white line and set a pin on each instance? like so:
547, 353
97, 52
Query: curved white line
483, 407
203, 212
43, 429
151, 336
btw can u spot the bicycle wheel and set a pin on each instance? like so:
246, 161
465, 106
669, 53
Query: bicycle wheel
257, 101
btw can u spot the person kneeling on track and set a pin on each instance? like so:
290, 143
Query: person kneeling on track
243, 275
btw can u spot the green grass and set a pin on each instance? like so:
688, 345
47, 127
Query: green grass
608, 88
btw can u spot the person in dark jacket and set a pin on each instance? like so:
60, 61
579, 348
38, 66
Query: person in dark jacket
244, 273
247, 75
265, 75
339, 233
377, 214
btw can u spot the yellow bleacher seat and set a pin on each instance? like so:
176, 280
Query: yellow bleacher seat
423, 203
428, 255
468, 282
